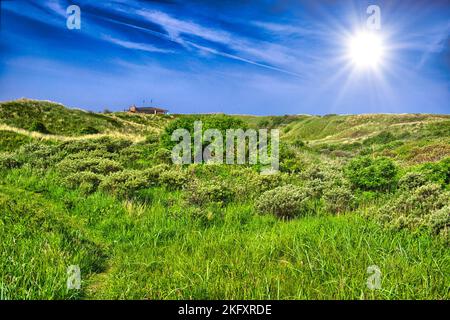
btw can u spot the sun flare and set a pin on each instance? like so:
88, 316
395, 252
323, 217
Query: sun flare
366, 50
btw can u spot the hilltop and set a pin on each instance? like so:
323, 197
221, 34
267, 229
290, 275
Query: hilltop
413, 138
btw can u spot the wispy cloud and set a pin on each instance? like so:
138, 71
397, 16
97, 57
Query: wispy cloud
176, 27
56, 7
135, 45
259, 53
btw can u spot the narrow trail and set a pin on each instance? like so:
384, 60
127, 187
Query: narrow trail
37, 135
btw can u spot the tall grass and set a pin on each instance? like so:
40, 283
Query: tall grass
162, 252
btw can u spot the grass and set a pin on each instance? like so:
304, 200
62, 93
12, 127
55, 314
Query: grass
152, 252
155, 244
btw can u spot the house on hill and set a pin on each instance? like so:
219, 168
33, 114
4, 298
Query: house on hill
147, 110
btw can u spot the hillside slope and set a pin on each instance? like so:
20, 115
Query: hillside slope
53, 118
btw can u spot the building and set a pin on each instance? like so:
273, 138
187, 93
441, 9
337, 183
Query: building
147, 110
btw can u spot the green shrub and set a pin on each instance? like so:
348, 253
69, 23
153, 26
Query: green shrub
381, 138
39, 127
150, 139
95, 165
219, 122
201, 192
439, 220
338, 199
124, 184
414, 209
163, 155
412, 180
438, 172
113, 145
89, 130
247, 183
152, 175
38, 155
367, 173
173, 179
318, 178
285, 202
98, 153
87, 181
9, 161
11, 141
130, 155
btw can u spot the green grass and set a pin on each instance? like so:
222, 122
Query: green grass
10, 141
59, 120
158, 252
153, 243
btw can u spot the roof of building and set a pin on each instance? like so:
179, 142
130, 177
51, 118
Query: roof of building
149, 109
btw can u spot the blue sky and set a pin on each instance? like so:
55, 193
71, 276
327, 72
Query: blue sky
247, 57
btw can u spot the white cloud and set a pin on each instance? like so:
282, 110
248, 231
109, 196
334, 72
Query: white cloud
56, 7
135, 45
261, 53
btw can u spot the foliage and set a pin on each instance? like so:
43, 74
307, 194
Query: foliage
200, 193
39, 127
285, 202
140, 227
383, 137
368, 173
86, 181
89, 130
11, 141
95, 165
9, 161
123, 184
415, 209
412, 180
339, 199
173, 179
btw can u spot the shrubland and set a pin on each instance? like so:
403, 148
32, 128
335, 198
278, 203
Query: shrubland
353, 191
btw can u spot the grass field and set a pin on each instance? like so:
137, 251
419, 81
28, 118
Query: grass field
100, 192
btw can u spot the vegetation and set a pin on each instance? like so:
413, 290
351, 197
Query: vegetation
99, 191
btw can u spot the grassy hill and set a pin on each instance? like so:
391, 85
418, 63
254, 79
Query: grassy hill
53, 118
100, 191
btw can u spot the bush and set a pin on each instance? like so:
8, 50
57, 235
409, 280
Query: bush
367, 173
163, 155
247, 183
412, 180
131, 155
39, 155
286, 201
9, 161
338, 199
319, 178
173, 179
38, 126
415, 209
381, 138
89, 130
95, 165
438, 172
152, 175
87, 181
124, 184
203, 192
439, 220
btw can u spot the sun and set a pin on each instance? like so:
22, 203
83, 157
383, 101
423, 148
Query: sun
366, 50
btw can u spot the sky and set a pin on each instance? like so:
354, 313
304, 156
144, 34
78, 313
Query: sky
236, 57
